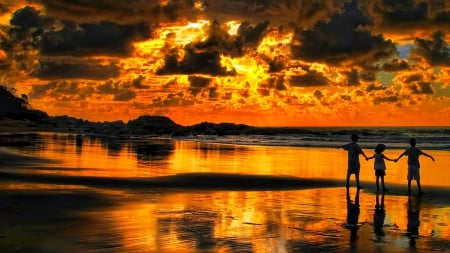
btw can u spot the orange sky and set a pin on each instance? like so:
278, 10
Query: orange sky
264, 63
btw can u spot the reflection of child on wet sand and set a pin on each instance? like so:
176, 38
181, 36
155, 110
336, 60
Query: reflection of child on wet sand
412, 229
353, 210
379, 165
413, 154
354, 150
378, 217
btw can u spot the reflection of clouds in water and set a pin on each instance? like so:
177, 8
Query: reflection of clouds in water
225, 149
150, 150
192, 226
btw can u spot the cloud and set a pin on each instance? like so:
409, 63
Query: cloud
435, 51
120, 91
137, 83
312, 78
76, 70
280, 12
420, 88
172, 100
375, 87
3, 8
352, 77
203, 57
411, 14
62, 90
395, 65
104, 38
123, 12
386, 99
273, 82
342, 40
198, 83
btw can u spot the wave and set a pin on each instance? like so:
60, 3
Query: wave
395, 138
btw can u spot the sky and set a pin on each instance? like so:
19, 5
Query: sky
255, 62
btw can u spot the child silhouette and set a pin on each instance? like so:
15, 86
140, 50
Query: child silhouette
413, 154
379, 165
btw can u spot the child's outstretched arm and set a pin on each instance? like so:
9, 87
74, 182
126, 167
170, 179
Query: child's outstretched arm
364, 154
400, 156
370, 157
389, 159
427, 155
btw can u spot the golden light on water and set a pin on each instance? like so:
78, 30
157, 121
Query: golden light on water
223, 219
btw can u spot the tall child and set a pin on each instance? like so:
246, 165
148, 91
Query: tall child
413, 154
353, 150
380, 166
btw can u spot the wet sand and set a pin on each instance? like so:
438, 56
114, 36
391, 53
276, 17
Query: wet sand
211, 212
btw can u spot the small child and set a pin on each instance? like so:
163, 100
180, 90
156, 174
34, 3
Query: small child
379, 165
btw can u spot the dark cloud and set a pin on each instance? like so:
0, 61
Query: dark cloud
62, 90
341, 39
193, 63
273, 82
197, 83
346, 97
395, 65
21, 39
227, 96
124, 12
435, 51
137, 83
119, 90
411, 14
367, 76
311, 79
76, 70
386, 99
104, 38
414, 78
212, 93
172, 99
276, 65
420, 88
318, 94
124, 95
280, 12
401, 11
375, 87
352, 77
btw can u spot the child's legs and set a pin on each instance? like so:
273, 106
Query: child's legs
418, 186
357, 179
348, 178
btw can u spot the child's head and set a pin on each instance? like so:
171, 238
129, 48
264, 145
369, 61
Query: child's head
355, 137
380, 148
412, 142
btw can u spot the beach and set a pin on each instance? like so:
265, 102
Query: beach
64, 193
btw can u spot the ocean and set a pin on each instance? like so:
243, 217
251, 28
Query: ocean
393, 137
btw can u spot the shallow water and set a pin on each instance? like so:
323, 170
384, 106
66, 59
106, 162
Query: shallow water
42, 215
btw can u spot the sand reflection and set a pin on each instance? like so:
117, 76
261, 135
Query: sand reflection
102, 216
